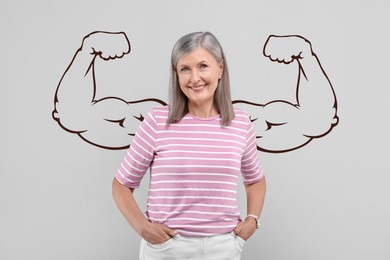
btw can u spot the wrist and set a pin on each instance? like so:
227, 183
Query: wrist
253, 218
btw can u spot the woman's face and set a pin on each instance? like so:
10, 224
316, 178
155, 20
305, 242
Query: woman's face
198, 73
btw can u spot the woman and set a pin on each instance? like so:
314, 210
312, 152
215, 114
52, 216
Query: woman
196, 149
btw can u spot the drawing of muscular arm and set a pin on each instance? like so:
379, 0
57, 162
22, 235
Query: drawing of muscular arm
283, 126
108, 122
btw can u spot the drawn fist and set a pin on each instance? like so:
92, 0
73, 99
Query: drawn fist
285, 49
107, 45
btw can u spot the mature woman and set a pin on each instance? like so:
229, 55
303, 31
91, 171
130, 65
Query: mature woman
196, 149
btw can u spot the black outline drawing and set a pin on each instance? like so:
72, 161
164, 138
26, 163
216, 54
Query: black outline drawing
315, 106
109, 122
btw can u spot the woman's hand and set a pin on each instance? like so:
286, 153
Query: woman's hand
155, 234
246, 228
151, 232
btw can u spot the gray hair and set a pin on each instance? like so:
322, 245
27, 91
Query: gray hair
178, 102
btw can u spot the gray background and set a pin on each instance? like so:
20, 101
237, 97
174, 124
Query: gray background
327, 200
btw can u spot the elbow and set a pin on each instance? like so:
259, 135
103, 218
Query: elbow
115, 188
118, 188
263, 183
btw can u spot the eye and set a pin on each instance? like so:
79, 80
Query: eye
203, 66
184, 69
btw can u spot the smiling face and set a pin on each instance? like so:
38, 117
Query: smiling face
198, 73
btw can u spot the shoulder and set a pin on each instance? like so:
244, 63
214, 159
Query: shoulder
241, 115
158, 113
160, 110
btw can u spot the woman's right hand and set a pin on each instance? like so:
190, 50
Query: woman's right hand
155, 234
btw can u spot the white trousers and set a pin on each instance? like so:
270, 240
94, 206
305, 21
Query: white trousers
221, 247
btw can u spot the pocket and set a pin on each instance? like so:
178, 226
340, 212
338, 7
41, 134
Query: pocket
161, 246
240, 242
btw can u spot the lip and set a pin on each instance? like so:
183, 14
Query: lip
197, 87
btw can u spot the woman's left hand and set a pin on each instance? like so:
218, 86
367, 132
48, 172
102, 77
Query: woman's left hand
246, 228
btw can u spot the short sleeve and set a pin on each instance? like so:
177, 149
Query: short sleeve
250, 164
140, 154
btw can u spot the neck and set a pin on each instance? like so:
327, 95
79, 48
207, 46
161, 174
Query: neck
202, 111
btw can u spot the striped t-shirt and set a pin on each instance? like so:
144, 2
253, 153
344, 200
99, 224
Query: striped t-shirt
194, 169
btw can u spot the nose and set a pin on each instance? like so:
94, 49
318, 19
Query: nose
194, 76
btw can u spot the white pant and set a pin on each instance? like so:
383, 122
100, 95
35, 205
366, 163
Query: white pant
221, 247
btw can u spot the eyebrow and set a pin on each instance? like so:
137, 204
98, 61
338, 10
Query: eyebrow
185, 65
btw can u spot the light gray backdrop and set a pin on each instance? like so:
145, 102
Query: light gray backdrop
327, 200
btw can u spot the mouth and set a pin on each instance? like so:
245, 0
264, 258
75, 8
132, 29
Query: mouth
197, 87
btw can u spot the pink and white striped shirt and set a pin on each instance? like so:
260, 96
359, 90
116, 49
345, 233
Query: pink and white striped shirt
194, 169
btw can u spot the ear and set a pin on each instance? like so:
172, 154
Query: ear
221, 67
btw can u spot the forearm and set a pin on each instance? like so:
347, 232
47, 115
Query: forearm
77, 81
315, 89
255, 194
255, 197
124, 199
